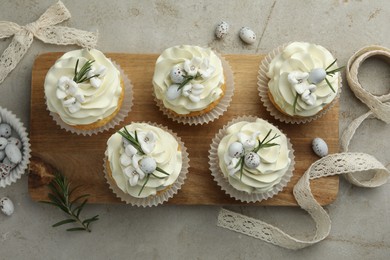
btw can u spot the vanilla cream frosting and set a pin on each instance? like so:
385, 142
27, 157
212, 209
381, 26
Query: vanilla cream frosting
97, 101
301, 57
210, 87
165, 151
274, 160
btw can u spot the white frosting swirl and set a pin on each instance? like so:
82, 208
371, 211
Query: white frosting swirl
301, 57
178, 55
274, 161
99, 102
166, 153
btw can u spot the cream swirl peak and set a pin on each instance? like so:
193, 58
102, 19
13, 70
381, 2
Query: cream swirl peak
188, 78
143, 159
253, 156
300, 82
82, 87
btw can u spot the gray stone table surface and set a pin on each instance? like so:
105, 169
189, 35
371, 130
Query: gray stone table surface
360, 217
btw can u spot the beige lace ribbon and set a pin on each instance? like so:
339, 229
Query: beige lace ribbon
44, 30
341, 163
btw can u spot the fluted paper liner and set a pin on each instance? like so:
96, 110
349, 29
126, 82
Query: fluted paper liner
262, 86
127, 103
216, 112
223, 182
21, 132
161, 196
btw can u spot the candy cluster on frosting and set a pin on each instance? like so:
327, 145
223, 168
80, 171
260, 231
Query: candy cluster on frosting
188, 78
300, 82
253, 156
82, 87
143, 159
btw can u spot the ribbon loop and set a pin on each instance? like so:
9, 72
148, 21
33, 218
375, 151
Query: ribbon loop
45, 30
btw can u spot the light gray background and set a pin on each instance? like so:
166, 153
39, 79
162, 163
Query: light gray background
360, 217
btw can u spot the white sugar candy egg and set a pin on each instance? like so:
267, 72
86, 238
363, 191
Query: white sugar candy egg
3, 143
173, 92
247, 35
2, 155
5, 130
148, 165
13, 153
320, 147
316, 75
15, 141
236, 150
252, 160
221, 30
177, 74
6, 206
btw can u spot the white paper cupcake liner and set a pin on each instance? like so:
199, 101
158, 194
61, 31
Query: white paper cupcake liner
21, 132
262, 84
166, 194
216, 112
127, 103
224, 183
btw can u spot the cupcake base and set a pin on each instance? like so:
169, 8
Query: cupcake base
223, 182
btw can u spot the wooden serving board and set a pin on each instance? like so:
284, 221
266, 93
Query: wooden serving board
81, 158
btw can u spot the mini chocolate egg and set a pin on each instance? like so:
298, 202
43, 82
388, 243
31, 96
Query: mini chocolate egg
3, 143
6, 206
4, 170
236, 150
247, 35
320, 147
173, 92
13, 153
148, 165
15, 141
5, 130
316, 75
252, 160
221, 30
177, 74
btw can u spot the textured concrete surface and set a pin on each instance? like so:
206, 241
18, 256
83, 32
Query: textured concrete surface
360, 216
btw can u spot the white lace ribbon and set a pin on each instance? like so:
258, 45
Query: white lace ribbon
341, 163
44, 30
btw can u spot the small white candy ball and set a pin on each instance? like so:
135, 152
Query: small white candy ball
177, 74
173, 92
13, 153
5, 130
320, 147
221, 30
252, 160
247, 35
236, 150
316, 75
148, 165
6, 206
15, 141
3, 143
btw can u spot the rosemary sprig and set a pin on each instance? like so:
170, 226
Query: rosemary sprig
187, 80
331, 73
81, 75
133, 140
261, 144
60, 197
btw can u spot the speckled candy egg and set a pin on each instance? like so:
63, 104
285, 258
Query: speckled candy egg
316, 75
177, 74
148, 165
3, 143
13, 153
320, 147
221, 30
15, 141
173, 92
236, 150
247, 35
5, 130
6, 206
4, 170
252, 160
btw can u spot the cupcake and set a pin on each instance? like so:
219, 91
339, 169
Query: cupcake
191, 82
145, 165
251, 159
85, 91
14, 148
298, 82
